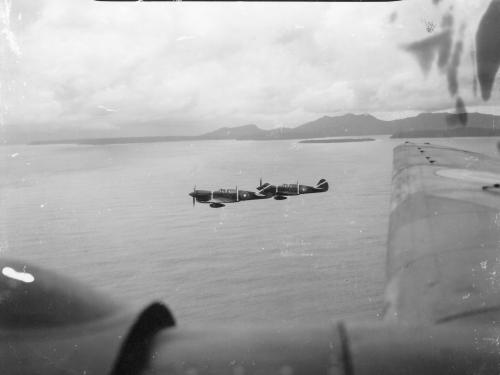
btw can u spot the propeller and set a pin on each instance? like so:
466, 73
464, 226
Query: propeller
237, 194
298, 191
260, 184
194, 194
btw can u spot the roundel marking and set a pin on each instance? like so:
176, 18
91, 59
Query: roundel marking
469, 175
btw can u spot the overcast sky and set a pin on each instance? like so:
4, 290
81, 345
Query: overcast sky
81, 68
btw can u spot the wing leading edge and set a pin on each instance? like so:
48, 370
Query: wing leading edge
443, 261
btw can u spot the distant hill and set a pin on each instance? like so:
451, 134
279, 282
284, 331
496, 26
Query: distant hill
239, 132
444, 124
443, 133
327, 126
339, 126
117, 140
423, 125
337, 140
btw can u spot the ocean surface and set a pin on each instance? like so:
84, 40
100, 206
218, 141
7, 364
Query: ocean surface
119, 219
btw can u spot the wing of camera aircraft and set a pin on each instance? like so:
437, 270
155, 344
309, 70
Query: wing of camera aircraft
442, 300
444, 237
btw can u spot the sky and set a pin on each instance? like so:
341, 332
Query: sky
80, 68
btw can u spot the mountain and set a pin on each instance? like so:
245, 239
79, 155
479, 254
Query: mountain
343, 125
443, 133
239, 132
116, 140
478, 124
446, 125
327, 126
422, 125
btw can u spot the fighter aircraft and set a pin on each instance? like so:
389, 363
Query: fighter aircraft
282, 191
218, 198
441, 307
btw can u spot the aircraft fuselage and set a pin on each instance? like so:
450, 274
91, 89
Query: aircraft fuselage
218, 198
280, 192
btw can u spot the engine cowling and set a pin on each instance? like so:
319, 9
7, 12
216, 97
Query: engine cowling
50, 324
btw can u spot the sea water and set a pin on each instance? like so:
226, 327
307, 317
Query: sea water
119, 219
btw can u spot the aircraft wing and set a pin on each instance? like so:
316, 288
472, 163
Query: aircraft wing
443, 261
286, 193
220, 200
218, 197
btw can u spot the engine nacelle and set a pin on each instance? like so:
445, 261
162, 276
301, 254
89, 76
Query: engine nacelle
279, 197
50, 324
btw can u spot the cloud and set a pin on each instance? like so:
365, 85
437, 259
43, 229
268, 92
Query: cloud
185, 37
173, 68
336, 97
105, 109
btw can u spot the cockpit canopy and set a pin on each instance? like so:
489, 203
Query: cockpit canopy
233, 191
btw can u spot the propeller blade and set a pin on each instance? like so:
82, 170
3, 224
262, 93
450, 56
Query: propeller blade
237, 194
260, 182
298, 191
194, 195
194, 200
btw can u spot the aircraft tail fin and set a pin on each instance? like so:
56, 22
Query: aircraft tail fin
265, 189
322, 185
